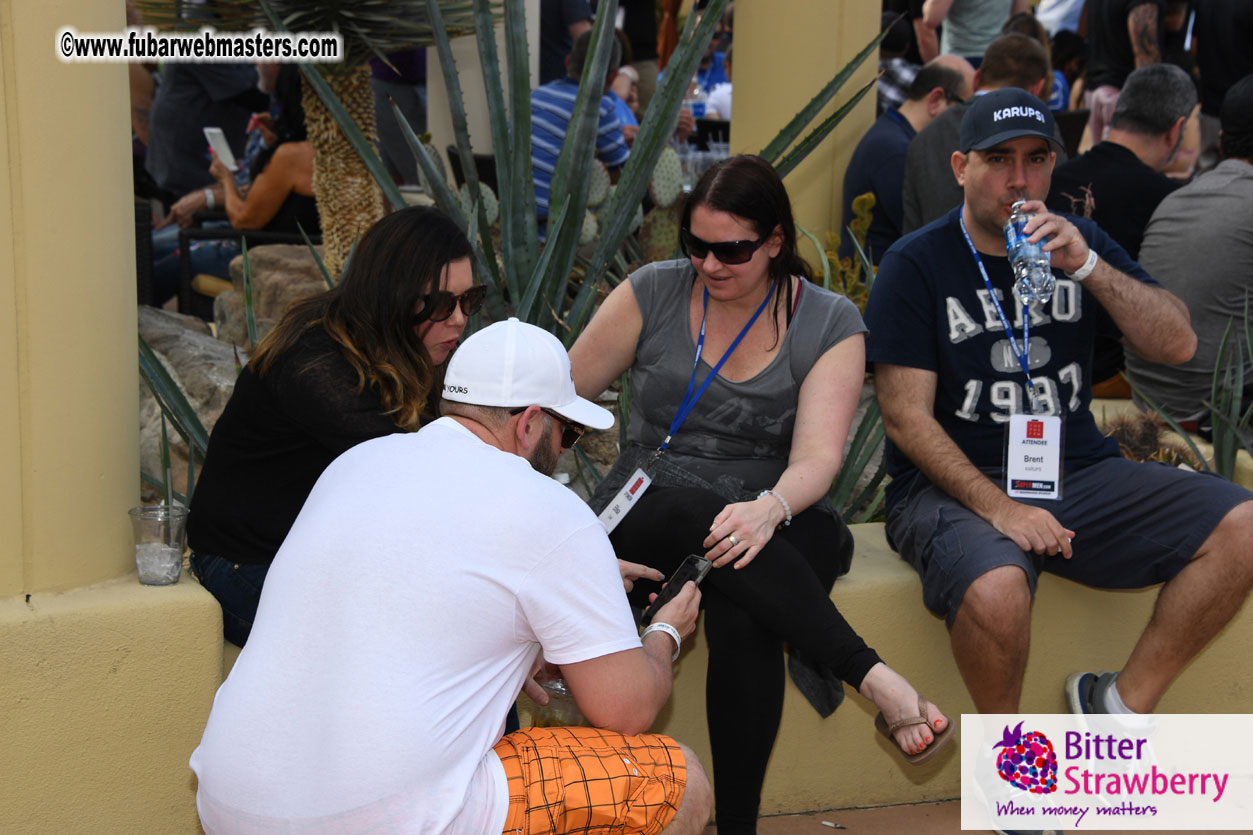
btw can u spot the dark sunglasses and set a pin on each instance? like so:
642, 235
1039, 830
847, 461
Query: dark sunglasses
438, 306
953, 98
570, 431
727, 252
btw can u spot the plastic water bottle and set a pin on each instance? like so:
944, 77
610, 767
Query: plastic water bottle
697, 101
1033, 280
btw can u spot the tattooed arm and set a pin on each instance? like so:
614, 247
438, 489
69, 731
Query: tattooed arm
1142, 26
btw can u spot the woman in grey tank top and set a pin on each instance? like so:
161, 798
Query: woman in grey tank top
747, 376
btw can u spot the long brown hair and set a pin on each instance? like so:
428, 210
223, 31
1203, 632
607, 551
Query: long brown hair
370, 312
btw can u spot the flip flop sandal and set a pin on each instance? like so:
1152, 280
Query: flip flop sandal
940, 739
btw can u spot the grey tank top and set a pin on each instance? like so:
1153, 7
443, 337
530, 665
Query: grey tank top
744, 429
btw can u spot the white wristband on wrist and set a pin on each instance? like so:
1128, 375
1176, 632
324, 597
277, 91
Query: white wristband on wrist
787, 508
209, 200
657, 626
1087, 268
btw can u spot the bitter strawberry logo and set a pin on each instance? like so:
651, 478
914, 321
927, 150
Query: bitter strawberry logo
1035, 429
1028, 761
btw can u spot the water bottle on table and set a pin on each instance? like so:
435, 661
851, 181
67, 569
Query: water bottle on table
1033, 279
697, 100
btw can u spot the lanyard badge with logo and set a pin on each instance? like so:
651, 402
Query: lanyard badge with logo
1033, 442
640, 479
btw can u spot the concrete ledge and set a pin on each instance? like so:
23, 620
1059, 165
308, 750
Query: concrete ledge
104, 692
842, 762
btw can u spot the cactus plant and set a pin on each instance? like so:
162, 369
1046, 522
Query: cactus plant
666, 184
598, 185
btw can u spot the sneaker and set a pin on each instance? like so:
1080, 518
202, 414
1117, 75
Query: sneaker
1085, 692
1000, 791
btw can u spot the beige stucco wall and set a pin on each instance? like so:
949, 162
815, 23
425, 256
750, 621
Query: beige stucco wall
784, 53
67, 407
104, 684
103, 696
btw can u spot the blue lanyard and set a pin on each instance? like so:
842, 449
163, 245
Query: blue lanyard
690, 397
1022, 354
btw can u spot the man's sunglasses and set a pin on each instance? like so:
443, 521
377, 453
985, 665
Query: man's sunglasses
570, 431
727, 252
438, 306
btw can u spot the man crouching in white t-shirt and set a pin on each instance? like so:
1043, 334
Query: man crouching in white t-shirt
409, 604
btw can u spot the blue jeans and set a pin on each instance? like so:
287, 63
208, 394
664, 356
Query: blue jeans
211, 257
237, 586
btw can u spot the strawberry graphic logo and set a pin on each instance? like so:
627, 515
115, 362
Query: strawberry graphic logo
1028, 761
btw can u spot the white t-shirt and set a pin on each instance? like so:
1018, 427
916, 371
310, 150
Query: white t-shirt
396, 626
720, 100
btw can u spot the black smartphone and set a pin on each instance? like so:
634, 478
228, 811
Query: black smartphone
694, 567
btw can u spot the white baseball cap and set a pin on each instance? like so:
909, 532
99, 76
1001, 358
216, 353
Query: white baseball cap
511, 364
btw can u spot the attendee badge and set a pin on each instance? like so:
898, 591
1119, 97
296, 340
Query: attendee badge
1033, 457
625, 500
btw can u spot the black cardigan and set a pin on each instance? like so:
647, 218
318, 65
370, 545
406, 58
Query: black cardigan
272, 442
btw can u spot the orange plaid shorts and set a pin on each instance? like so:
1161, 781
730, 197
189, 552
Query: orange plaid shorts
590, 780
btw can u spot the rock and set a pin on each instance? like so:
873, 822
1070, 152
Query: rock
203, 367
281, 274
228, 315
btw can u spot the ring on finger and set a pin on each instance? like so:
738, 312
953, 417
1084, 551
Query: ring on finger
734, 541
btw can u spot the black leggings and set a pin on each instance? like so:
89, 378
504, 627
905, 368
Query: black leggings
782, 596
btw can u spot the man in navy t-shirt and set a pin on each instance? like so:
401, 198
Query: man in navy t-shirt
947, 338
878, 164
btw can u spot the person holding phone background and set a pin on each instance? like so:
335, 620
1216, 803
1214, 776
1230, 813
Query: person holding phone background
278, 196
357, 362
744, 380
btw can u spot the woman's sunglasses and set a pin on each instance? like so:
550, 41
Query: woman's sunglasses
570, 431
438, 306
727, 252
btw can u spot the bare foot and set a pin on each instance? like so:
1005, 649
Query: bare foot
897, 700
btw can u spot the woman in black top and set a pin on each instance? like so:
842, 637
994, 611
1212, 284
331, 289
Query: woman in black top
353, 363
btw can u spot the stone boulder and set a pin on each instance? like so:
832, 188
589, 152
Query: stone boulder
281, 274
204, 368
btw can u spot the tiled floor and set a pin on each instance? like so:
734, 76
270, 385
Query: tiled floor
923, 818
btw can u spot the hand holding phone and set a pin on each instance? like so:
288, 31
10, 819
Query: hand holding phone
221, 148
694, 567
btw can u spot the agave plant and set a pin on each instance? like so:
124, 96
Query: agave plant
1232, 428
343, 180
532, 282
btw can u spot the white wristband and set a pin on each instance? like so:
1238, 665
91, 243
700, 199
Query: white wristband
1087, 268
658, 626
209, 201
787, 508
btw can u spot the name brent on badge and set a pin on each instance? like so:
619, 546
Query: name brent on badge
1033, 457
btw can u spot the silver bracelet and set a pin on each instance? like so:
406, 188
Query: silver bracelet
658, 626
209, 200
787, 508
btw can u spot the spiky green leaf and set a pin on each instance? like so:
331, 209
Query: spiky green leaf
172, 401
250, 313
810, 111
803, 148
656, 129
822, 255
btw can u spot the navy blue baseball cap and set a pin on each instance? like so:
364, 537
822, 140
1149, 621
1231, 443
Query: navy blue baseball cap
1002, 115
